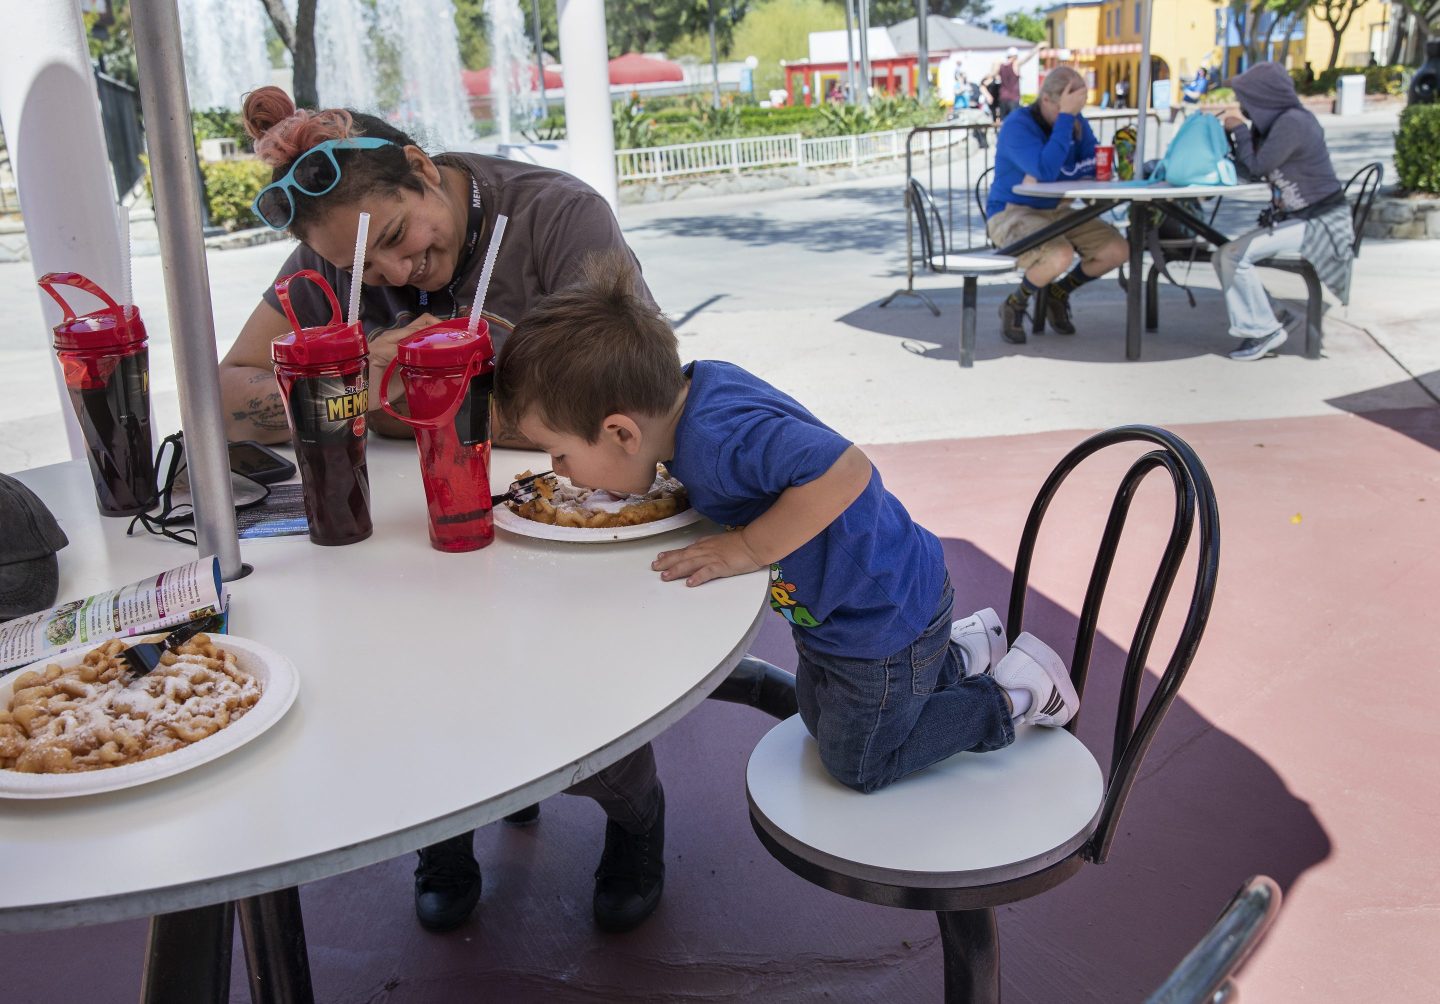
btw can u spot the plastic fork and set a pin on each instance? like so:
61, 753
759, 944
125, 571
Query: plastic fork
525, 489
144, 656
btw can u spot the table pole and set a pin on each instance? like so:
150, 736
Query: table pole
1139, 214
274, 934
187, 958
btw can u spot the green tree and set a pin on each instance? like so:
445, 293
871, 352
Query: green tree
888, 12
298, 34
474, 30
649, 25
780, 29
1029, 26
111, 44
1337, 15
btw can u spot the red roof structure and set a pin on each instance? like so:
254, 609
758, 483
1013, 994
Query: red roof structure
633, 68
477, 82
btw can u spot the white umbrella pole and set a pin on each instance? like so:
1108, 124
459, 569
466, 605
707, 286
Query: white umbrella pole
175, 176
1142, 95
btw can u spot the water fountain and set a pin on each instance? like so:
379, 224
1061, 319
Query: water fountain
397, 58
225, 55
513, 94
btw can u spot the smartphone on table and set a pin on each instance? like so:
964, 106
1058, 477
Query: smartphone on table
259, 463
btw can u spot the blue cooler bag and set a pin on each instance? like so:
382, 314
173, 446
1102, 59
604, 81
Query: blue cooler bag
1198, 155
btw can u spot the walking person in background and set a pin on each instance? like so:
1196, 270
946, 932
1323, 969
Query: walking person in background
1008, 74
992, 94
1284, 144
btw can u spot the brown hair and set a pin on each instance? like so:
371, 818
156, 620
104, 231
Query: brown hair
593, 349
282, 133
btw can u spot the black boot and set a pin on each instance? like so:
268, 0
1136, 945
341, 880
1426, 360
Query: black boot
447, 883
525, 816
1012, 318
1057, 311
631, 874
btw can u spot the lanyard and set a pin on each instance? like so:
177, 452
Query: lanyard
475, 223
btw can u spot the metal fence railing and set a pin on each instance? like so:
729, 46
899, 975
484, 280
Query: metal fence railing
732, 156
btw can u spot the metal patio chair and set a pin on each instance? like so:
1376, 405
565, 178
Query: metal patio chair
978, 831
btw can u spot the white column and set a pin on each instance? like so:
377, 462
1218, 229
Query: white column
588, 128
51, 117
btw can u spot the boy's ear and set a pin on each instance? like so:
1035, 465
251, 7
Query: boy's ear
623, 431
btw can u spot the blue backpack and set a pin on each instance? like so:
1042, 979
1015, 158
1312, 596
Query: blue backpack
1198, 155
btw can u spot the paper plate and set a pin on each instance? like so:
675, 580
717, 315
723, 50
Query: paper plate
275, 672
507, 520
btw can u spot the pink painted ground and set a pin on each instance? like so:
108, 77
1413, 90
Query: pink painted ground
1303, 746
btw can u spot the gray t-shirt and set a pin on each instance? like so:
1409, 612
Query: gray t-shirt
555, 220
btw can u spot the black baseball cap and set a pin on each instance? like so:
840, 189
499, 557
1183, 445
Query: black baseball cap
29, 538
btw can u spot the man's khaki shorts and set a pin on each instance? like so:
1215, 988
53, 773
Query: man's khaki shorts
1015, 222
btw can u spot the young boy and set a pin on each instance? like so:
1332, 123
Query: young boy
886, 684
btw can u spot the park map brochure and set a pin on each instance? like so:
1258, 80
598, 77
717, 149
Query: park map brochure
190, 592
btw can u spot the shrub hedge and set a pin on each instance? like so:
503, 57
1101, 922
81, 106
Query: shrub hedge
1378, 79
230, 188
1417, 149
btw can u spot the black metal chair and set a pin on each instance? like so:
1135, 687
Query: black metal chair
935, 256
1203, 976
981, 830
1360, 191
1042, 298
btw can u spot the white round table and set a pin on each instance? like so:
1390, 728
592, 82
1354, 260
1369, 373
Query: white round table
438, 692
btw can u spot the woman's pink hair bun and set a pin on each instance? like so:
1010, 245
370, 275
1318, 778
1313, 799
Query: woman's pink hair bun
282, 132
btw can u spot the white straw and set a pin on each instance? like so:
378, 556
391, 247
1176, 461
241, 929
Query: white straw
357, 271
490, 254
122, 218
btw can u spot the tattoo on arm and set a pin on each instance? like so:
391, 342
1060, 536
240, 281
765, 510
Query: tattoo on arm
265, 413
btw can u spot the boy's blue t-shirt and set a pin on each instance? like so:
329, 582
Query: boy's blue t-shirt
1028, 146
867, 585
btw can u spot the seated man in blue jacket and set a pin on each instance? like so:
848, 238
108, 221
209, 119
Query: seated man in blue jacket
1048, 141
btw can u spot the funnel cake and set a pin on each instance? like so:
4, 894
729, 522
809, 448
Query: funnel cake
564, 504
97, 714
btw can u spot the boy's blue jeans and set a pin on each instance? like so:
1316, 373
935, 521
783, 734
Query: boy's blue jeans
877, 720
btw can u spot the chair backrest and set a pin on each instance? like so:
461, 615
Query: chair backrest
1193, 496
932, 242
982, 192
1361, 190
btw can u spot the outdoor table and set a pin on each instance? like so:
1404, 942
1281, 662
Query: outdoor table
1103, 195
438, 693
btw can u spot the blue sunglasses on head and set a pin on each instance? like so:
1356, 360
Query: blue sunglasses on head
315, 172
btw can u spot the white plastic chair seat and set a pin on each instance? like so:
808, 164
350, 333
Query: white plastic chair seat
972, 820
978, 263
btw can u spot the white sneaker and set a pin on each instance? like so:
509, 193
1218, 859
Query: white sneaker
1032, 665
1258, 348
982, 638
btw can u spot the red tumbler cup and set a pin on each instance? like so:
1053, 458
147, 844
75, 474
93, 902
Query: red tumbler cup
106, 364
1104, 163
449, 375
324, 375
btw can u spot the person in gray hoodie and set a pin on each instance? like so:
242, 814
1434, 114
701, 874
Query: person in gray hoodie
1284, 144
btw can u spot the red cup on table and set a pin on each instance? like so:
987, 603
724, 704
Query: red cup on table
105, 359
449, 375
323, 374
1104, 163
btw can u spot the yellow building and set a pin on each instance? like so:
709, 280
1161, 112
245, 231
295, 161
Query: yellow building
1188, 34
1072, 38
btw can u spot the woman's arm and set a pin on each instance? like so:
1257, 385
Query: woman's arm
798, 515
248, 392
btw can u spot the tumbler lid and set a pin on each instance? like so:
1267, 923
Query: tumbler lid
326, 343
445, 345
330, 343
112, 328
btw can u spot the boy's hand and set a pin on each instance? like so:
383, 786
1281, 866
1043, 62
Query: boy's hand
709, 558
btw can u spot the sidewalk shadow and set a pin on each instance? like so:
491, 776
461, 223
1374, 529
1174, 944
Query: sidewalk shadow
1099, 312
1403, 407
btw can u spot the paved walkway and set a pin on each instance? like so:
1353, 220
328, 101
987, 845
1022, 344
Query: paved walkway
1302, 746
